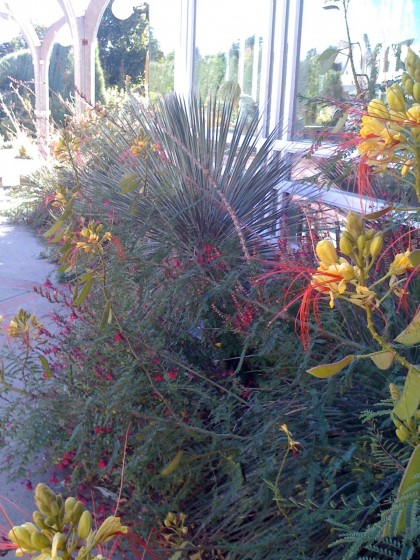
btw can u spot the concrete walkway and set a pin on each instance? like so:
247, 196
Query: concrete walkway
21, 268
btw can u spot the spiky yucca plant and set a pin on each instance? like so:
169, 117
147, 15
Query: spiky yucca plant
190, 174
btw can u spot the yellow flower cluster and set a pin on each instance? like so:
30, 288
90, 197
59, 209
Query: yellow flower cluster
348, 276
61, 197
23, 325
92, 236
141, 145
66, 146
61, 528
390, 132
334, 272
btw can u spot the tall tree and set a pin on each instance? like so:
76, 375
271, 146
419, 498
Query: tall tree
15, 44
123, 46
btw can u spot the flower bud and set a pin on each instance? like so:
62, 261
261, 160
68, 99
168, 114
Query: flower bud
416, 92
402, 433
349, 236
377, 108
77, 512
408, 85
40, 541
58, 543
39, 520
30, 527
68, 508
395, 97
46, 500
354, 224
346, 246
405, 76
411, 57
376, 245
21, 537
361, 242
326, 252
85, 525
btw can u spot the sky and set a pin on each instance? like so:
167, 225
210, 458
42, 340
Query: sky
384, 21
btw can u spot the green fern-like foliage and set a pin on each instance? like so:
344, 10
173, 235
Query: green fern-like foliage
371, 540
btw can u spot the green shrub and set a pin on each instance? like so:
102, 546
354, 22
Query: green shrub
171, 373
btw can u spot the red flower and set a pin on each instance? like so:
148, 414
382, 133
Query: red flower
28, 485
173, 373
54, 479
118, 337
102, 464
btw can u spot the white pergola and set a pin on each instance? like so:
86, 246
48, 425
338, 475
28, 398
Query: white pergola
83, 17
84, 28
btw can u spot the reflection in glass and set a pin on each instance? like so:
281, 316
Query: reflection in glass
164, 31
229, 48
380, 33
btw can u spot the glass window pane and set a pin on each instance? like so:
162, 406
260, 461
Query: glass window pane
165, 24
380, 33
230, 37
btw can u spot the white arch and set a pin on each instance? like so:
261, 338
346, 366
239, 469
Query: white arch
41, 53
84, 30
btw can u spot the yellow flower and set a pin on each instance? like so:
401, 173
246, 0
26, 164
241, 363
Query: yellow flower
326, 252
377, 108
22, 323
91, 235
370, 148
324, 283
109, 528
400, 263
344, 269
83, 246
413, 113
371, 126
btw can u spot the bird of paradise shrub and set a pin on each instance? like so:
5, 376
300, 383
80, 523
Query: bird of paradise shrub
390, 132
349, 278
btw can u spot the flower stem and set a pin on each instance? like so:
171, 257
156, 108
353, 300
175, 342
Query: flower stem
384, 345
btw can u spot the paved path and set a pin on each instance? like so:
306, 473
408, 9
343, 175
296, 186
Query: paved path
21, 268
